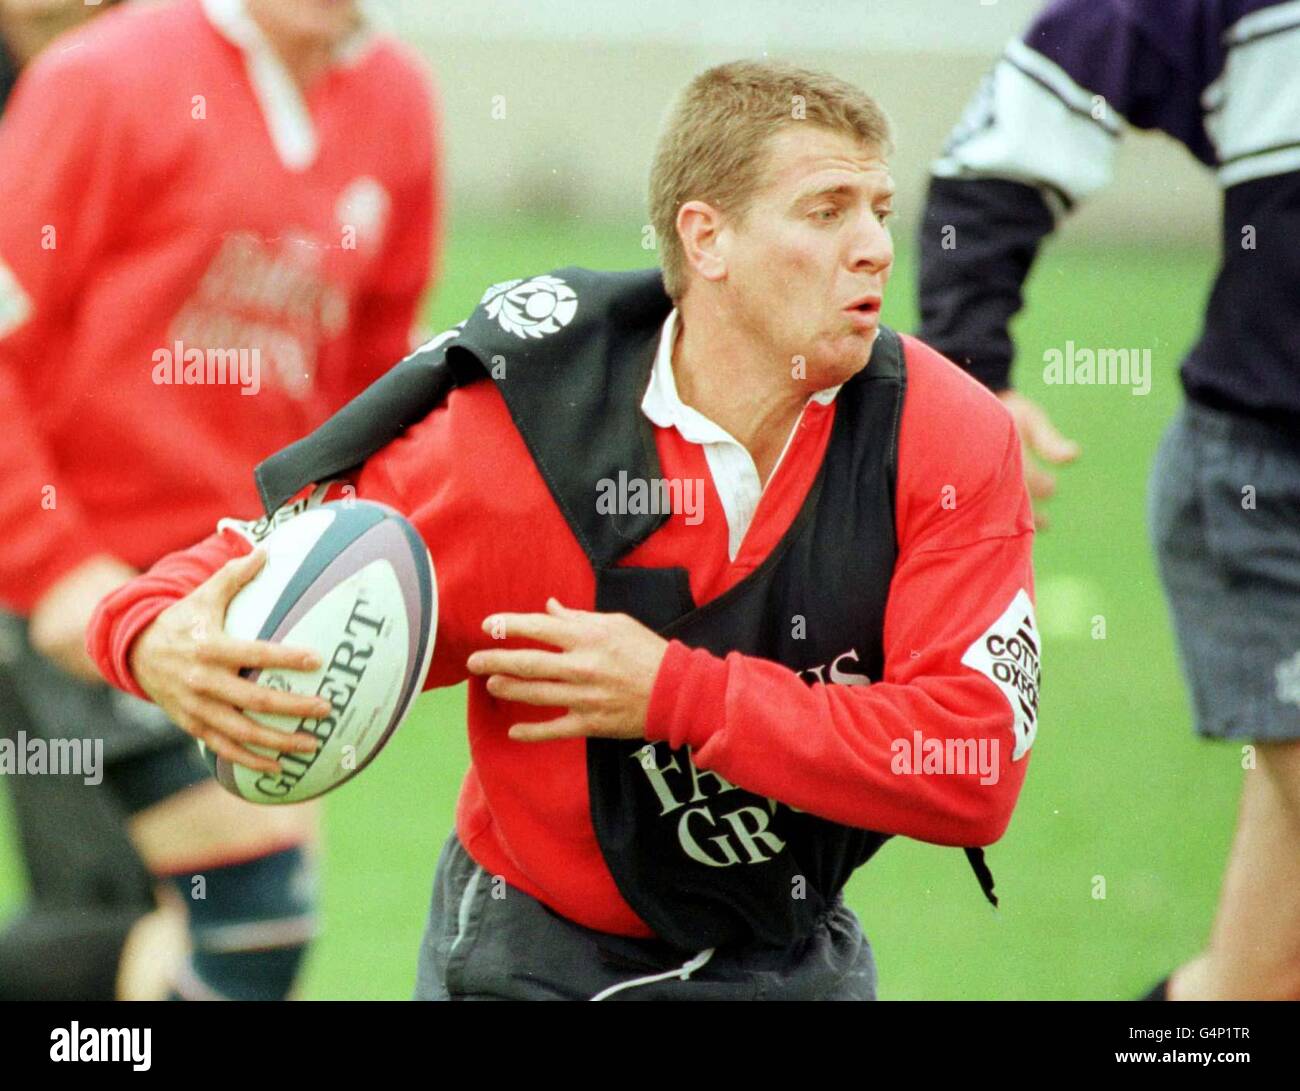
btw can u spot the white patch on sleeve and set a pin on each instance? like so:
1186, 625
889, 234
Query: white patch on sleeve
15, 306
1250, 109
1031, 122
254, 530
1009, 654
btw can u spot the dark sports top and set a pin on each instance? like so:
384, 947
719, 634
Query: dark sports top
1220, 76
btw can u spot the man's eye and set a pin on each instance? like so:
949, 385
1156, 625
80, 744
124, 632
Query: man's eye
826, 215
883, 214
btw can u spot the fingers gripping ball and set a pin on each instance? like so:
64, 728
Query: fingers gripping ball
353, 582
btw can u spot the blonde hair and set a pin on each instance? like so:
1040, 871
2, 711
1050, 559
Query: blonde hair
713, 141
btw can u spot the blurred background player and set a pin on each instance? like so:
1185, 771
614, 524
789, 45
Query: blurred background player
1223, 78
220, 220
94, 896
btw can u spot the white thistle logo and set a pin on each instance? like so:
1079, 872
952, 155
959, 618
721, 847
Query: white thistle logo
531, 308
1288, 680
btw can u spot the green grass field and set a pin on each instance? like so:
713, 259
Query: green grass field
1118, 790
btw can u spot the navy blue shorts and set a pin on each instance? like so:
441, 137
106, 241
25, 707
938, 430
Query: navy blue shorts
1225, 519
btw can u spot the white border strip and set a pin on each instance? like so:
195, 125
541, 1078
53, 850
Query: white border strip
1257, 22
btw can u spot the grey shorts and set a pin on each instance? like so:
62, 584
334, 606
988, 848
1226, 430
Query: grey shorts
486, 940
73, 830
144, 754
1225, 519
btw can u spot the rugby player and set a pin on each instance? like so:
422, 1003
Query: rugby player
688, 724
94, 898
219, 222
1223, 78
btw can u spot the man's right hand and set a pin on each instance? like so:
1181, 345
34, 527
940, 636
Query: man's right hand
1039, 439
187, 665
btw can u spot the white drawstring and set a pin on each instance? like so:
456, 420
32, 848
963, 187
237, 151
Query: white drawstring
683, 972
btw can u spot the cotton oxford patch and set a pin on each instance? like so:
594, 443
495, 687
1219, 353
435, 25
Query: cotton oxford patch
531, 308
15, 307
1008, 654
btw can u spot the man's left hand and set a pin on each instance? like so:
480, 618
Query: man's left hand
603, 673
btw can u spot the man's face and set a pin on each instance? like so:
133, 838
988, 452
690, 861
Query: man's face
325, 21
28, 26
806, 266
42, 9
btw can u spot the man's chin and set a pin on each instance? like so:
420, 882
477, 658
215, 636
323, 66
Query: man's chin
839, 370
856, 352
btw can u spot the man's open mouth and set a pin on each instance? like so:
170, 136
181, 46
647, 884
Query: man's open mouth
866, 305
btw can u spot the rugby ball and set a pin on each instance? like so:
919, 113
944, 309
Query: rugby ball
353, 581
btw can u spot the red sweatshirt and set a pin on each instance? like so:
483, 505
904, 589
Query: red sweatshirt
464, 478
166, 191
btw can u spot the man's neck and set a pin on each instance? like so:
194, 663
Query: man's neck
731, 382
305, 59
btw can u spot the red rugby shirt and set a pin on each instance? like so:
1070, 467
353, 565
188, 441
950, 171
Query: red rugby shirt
143, 200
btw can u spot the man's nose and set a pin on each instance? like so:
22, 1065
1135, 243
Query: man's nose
872, 246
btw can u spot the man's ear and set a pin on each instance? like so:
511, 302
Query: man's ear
700, 227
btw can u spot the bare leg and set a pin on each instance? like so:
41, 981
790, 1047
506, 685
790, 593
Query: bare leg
1254, 948
156, 946
206, 824
200, 828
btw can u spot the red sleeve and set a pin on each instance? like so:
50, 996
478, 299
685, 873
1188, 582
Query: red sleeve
386, 313
127, 612
963, 577
123, 615
62, 179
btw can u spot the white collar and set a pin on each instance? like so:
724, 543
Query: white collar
664, 406
735, 477
287, 118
